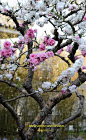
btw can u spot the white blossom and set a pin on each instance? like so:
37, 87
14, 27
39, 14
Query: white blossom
1, 77
9, 76
2, 66
70, 72
18, 78
78, 63
40, 90
46, 85
72, 88
60, 6
49, 47
1, 8
12, 58
11, 67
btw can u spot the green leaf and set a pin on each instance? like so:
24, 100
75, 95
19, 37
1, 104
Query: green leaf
63, 19
52, 10
80, 83
80, 35
15, 42
25, 31
5, 61
8, 19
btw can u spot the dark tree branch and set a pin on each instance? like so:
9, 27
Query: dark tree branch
56, 48
73, 117
9, 13
72, 53
48, 106
72, 12
73, 29
63, 58
15, 116
18, 97
15, 86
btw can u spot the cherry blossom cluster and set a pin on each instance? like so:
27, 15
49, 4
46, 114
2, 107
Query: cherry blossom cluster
36, 59
7, 51
64, 78
60, 51
69, 48
48, 41
26, 39
29, 35
81, 42
70, 72
72, 89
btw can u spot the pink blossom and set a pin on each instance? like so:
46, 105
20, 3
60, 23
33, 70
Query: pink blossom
42, 47
3, 52
34, 69
77, 37
61, 49
50, 54
21, 46
7, 52
5, 10
59, 52
71, 8
69, 48
20, 24
33, 56
83, 53
42, 57
36, 59
35, 30
7, 44
83, 67
63, 91
84, 17
49, 41
30, 33
52, 42
21, 43
76, 57
13, 51
27, 39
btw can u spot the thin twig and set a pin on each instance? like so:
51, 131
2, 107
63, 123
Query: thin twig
13, 99
63, 58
